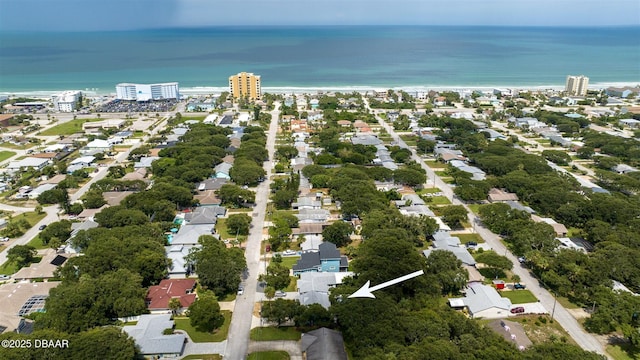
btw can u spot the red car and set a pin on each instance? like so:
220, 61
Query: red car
517, 310
267, 248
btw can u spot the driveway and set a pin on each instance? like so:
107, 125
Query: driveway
291, 347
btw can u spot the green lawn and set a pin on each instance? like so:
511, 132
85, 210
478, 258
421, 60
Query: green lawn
438, 200
431, 190
474, 207
32, 217
566, 303
221, 228
293, 284
269, 355
17, 147
519, 296
623, 352
203, 357
274, 333
8, 268
436, 164
4, 155
67, 128
465, 238
182, 323
289, 261
36, 242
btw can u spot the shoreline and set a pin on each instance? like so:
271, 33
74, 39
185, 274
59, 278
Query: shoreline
206, 90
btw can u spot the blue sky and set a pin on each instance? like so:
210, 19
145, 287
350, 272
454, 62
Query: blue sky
88, 15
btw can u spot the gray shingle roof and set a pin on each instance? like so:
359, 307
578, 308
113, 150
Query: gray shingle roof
328, 251
323, 344
147, 333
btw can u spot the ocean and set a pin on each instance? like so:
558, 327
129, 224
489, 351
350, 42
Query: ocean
331, 57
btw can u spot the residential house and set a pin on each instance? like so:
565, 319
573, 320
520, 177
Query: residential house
222, 170
499, 195
57, 179
442, 240
323, 344
313, 215
305, 202
559, 229
28, 162
365, 139
476, 173
90, 213
226, 121
624, 169
76, 227
188, 234
179, 131
483, 301
309, 229
447, 155
179, 268
313, 287
207, 198
96, 146
568, 243
33, 194
137, 174
630, 123
159, 296
622, 92
114, 198
83, 161
212, 184
21, 299
148, 334
327, 259
494, 135
44, 269
204, 215
145, 162
311, 242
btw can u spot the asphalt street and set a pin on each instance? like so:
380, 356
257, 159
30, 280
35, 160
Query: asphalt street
238, 338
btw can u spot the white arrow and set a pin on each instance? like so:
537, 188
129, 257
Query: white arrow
366, 291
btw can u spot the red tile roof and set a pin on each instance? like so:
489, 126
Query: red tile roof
159, 295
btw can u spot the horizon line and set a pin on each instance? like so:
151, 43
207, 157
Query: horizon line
284, 26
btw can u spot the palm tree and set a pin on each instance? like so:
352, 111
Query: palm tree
175, 305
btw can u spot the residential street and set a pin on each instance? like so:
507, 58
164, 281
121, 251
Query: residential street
568, 322
238, 338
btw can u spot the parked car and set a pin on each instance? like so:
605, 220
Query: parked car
240, 290
5, 277
519, 286
4, 239
522, 259
517, 310
280, 293
472, 244
267, 248
42, 227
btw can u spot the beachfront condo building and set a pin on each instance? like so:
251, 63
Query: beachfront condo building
146, 92
66, 101
245, 85
577, 85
